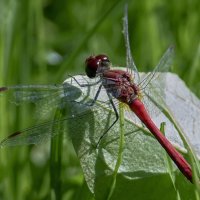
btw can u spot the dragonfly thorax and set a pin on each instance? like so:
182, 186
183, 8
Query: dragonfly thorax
120, 85
95, 65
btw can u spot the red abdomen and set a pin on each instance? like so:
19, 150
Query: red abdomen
139, 109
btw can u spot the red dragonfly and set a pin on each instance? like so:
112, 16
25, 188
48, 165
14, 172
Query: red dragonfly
124, 86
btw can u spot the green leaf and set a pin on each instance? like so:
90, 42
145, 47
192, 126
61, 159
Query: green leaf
143, 173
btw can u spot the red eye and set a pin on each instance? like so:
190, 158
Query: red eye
93, 62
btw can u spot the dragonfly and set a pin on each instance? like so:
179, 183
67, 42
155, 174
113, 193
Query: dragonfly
119, 86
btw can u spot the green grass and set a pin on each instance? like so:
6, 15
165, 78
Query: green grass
31, 30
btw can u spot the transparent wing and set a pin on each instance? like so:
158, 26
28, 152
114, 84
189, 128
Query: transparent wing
74, 102
163, 66
83, 123
131, 67
154, 83
33, 135
20, 94
46, 97
42, 132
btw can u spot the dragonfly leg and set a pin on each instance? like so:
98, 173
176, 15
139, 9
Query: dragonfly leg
84, 85
96, 96
116, 119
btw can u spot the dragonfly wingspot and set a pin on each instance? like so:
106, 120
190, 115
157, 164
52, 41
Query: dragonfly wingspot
2, 89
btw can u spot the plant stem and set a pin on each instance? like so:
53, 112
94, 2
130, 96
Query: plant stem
120, 151
56, 159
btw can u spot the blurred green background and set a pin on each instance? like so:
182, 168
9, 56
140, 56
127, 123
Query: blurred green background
43, 41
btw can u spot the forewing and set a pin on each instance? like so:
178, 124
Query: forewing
131, 67
163, 66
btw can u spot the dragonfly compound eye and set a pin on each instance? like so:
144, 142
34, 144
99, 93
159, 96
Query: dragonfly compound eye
94, 63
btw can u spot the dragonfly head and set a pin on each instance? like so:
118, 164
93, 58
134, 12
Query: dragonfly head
96, 64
